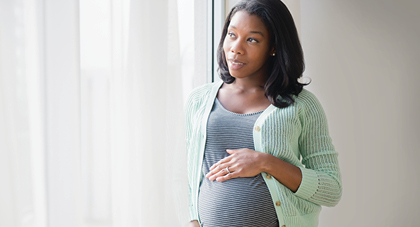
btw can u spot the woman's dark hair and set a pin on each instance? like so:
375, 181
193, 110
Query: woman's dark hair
287, 66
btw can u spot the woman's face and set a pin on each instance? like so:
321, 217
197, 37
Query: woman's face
247, 46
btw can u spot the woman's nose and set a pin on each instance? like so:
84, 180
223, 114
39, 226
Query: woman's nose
236, 47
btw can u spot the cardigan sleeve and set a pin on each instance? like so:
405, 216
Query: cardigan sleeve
193, 119
321, 178
188, 130
188, 110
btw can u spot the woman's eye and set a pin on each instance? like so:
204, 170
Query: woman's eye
252, 40
231, 35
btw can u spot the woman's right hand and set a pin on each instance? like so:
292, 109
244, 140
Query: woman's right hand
193, 224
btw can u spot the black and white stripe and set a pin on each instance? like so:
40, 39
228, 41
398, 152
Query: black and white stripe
237, 202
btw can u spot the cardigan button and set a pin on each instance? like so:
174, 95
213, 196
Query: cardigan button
257, 128
278, 203
284, 226
268, 176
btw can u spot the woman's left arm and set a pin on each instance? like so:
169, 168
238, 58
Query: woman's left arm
321, 178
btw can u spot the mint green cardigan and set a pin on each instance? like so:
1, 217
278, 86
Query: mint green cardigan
297, 134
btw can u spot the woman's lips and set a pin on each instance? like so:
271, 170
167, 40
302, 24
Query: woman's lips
235, 64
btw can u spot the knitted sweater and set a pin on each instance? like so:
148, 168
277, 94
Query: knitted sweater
297, 134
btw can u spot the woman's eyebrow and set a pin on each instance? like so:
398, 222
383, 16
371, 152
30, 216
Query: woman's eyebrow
255, 32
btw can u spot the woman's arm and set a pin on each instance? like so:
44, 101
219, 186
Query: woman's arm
321, 178
287, 174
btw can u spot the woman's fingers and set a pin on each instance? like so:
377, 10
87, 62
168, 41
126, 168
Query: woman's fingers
216, 172
228, 176
224, 160
194, 224
221, 170
230, 151
241, 163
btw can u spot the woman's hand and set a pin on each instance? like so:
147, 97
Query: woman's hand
249, 163
193, 224
241, 163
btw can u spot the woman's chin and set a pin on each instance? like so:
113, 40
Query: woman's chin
235, 73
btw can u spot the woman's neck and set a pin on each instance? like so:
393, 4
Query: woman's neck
247, 85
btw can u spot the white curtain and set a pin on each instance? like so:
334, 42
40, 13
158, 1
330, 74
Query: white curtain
146, 116
22, 190
133, 158
91, 113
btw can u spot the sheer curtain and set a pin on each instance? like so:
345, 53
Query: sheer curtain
91, 113
146, 120
133, 159
22, 191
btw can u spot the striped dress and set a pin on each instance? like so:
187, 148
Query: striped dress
238, 202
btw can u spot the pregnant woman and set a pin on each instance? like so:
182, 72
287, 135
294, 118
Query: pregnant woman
259, 151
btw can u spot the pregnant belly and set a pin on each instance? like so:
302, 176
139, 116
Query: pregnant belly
236, 202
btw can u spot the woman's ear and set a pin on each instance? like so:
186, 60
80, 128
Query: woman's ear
273, 52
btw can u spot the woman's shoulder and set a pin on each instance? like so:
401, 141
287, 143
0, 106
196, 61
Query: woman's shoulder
308, 103
200, 94
306, 98
202, 89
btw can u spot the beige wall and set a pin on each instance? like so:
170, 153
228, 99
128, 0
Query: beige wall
363, 59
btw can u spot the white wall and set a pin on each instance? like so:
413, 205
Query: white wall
362, 57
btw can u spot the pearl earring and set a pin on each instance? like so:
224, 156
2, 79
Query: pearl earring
273, 54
